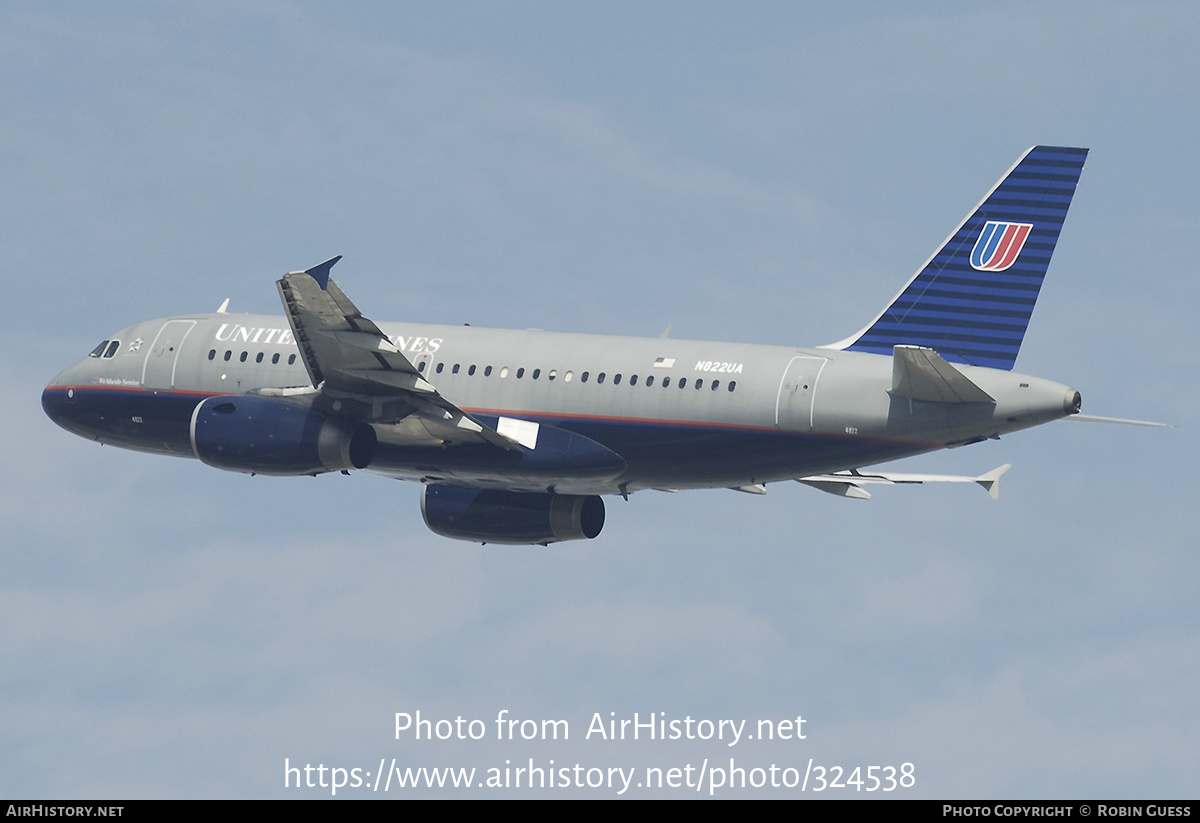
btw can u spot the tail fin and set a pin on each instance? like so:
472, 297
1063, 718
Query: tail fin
972, 300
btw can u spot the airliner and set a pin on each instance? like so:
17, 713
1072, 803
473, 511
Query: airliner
516, 436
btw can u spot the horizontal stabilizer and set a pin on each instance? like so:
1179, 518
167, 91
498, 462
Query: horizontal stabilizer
1091, 418
991, 480
922, 374
850, 483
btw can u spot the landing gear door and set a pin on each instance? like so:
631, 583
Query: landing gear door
794, 403
159, 371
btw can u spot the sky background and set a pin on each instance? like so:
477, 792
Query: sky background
758, 172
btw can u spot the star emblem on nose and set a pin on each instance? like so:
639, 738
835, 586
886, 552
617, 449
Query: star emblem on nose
135, 345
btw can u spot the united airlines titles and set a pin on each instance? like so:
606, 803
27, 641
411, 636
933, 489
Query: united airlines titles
237, 333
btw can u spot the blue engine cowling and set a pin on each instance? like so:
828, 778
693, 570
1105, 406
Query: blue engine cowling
265, 435
494, 516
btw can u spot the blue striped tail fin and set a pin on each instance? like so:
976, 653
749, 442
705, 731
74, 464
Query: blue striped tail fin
972, 300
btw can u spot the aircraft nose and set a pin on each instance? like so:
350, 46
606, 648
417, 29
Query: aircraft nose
55, 398
61, 403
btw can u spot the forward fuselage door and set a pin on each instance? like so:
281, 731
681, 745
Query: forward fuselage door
794, 403
159, 371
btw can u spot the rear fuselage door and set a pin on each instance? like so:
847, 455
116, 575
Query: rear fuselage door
794, 403
159, 371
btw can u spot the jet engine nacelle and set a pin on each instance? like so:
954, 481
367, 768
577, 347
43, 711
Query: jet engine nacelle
265, 435
494, 516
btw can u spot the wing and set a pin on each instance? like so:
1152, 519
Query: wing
359, 373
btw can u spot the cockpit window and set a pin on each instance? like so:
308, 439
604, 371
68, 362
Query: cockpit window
107, 348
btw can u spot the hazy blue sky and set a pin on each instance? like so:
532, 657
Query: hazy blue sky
752, 172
